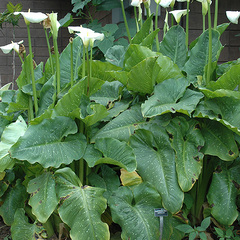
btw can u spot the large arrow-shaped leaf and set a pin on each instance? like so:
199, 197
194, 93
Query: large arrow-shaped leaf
199, 53
222, 197
186, 141
81, 207
219, 141
14, 199
43, 199
116, 153
22, 229
132, 209
122, 126
10, 136
156, 164
171, 96
50, 143
173, 45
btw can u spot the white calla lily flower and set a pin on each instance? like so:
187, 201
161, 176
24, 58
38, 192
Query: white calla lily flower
165, 3
87, 35
32, 17
55, 25
204, 6
233, 16
12, 46
183, 0
136, 3
178, 14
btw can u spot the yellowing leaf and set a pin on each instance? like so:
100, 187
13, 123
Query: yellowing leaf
130, 178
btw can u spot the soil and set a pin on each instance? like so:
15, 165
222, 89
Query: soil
4, 231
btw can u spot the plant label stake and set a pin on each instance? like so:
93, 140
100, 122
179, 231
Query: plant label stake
160, 212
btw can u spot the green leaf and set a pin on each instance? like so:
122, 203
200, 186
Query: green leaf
186, 141
173, 45
108, 93
23, 229
43, 199
165, 68
229, 80
203, 236
136, 54
206, 223
84, 219
9, 137
67, 20
185, 228
46, 96
115, 55
109, 180
219, 141
50, 143
95, 112
71, 100
155, 162
101, 70
132, 208
222, 198
116, 153
14, 199
192, 235
199, 54
171, 96
143, 32
219, 232
144, 36
21, 103
122, 126
65, 61
141, 76
222, 109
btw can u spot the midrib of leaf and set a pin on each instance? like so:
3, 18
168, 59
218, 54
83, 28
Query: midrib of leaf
87, 212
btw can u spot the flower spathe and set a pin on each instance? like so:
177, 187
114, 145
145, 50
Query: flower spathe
136, 3
32, 17
12, 46
183, 0
87, 35
178, 14
233, 16
54, 24
165, 3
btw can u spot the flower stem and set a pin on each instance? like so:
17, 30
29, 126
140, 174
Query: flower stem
57, 64
32, 71
136, 19
209, 46
156, 27
88, 74
49, 50
125, 21
187, 24
216, 15
71, 44
172, 23
84, 62
204, 23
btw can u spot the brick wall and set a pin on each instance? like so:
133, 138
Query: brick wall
62, 7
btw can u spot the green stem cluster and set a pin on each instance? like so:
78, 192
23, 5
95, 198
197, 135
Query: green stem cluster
56, 52
32, 71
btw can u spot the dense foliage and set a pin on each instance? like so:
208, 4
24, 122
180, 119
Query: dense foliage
140, 130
